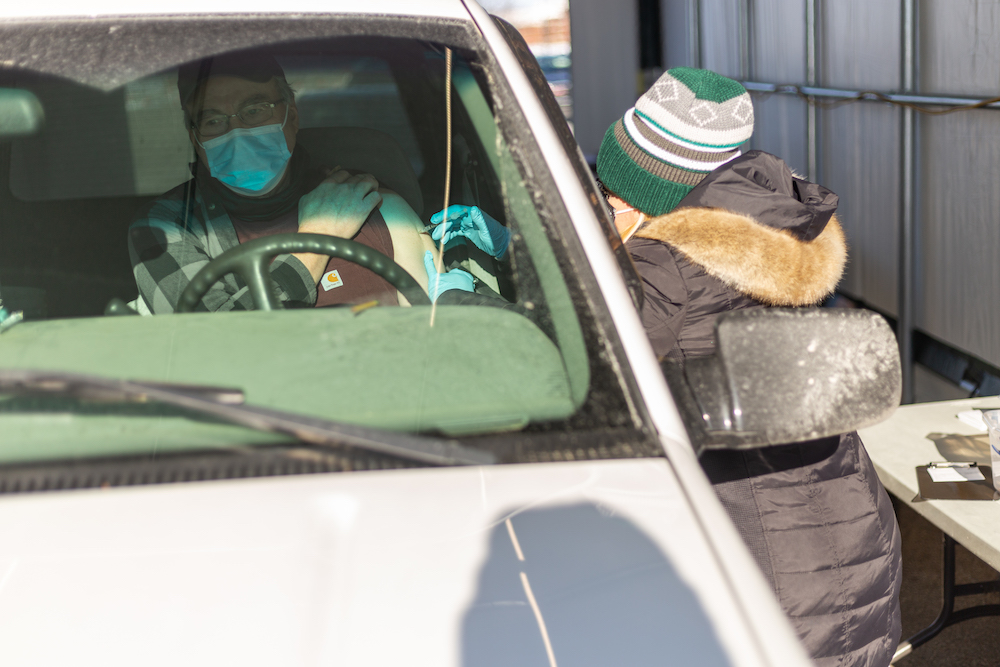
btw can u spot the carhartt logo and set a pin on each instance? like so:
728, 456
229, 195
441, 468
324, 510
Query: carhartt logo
331, 279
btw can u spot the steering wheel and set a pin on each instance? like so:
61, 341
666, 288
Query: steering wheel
251, 261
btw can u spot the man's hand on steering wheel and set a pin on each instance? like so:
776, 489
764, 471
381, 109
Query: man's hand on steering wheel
251, 260
336, 207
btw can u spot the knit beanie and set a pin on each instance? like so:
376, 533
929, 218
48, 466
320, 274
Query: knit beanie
259, 68
689, 123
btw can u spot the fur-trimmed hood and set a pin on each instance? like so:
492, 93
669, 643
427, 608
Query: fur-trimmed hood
756, 227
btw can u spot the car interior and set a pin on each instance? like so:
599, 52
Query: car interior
368, 104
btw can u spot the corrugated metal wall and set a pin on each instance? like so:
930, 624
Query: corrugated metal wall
859, 47
605, 63
959, 298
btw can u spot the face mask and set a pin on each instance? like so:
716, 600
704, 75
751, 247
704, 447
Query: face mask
249, 161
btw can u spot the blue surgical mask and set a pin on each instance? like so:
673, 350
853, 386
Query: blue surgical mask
249, 161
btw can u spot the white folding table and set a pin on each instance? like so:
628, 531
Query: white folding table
924, 433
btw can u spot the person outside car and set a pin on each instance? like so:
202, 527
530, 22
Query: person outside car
712, 231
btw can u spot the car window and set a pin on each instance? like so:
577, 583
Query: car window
516, 351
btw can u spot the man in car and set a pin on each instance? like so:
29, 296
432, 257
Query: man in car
251, 179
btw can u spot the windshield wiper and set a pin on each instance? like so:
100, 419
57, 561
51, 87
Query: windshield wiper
227, 405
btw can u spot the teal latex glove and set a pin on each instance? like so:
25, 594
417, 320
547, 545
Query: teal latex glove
439, 283
489, 235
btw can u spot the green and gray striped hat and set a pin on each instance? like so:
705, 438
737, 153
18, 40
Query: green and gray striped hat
689, 123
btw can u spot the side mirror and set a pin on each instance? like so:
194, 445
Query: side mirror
788, 375
21, 113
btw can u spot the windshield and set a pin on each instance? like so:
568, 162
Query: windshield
147, 175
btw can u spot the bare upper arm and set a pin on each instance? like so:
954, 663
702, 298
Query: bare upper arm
409, 243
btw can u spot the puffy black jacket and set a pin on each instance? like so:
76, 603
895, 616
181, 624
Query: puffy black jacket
814, 515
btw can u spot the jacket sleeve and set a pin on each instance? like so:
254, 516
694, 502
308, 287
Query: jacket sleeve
665, 296
166, 256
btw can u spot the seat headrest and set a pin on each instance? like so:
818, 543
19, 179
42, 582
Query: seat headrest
367, 150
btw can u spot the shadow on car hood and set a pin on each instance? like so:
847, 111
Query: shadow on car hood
597, 563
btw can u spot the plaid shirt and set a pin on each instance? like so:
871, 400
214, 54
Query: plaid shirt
178, 234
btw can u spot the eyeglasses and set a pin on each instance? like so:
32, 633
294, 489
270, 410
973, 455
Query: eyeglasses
606, 193
251, 115
612, 211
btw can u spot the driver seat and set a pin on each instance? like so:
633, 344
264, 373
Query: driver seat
364, 149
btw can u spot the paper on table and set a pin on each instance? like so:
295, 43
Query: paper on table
973, 418
969, 474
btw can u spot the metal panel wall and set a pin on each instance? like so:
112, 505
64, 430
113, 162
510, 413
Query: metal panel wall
959, 49
778, 41
678, 29
721, 29
779, 128
959, 233
860, 151
860, 46
605, 39
778, 55
959, 286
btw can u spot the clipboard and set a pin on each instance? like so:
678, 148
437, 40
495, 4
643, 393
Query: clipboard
981, 489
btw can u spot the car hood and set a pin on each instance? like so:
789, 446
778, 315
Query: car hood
575, 563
